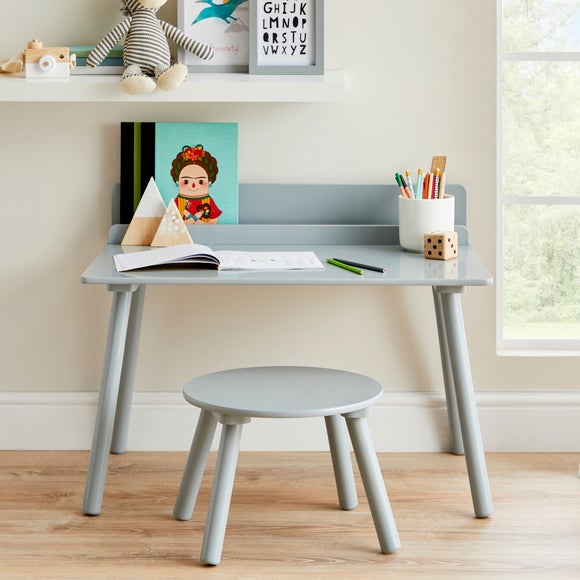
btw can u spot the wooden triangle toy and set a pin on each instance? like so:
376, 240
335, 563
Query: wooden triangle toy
172, 229
147, 218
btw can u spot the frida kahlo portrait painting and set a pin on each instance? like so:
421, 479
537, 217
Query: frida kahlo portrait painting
197, 169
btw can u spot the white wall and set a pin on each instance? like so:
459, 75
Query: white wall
421, 81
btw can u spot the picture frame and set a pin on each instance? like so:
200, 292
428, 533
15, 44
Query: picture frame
224, 26
149, 150
286, 37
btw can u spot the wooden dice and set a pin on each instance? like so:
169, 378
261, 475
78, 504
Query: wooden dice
441, 245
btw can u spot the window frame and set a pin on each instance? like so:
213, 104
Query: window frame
532, 346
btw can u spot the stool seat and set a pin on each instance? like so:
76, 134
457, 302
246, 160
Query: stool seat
279, 392
234, 397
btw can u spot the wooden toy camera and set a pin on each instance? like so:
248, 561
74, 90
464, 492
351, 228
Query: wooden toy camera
47, 62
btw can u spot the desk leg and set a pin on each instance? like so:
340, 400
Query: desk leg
452, 414
466, 406
118, 323
125, 398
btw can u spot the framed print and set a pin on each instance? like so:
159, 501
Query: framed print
287, 37
163, 151
222, 24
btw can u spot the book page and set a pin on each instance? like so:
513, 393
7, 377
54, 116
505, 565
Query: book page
160, 256
227, 259
233, 260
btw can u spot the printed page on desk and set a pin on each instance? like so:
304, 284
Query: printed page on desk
232, 260
200, 256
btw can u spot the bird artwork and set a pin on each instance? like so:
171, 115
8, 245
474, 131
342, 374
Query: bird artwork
224, 11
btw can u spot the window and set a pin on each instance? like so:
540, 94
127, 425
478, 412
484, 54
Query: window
539, 177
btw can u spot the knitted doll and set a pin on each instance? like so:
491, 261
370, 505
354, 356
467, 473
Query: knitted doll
146, 55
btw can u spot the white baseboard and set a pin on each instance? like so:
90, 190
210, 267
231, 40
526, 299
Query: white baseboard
413, 422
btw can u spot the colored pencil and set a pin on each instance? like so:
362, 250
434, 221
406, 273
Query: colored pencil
344, 266
359, 265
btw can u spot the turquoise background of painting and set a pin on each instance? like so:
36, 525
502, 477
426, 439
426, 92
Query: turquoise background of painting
221, 140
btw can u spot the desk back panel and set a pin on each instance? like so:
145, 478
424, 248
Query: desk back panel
329, 204
311, 214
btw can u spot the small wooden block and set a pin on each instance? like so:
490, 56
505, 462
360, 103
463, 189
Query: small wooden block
441, 245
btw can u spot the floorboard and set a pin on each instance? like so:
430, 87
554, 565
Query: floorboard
284, 520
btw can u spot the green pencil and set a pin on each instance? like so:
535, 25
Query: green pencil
345, 266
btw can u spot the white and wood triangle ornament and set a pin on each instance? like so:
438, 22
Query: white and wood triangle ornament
172, 229
146, 219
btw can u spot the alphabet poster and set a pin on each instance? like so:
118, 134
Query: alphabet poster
286, 33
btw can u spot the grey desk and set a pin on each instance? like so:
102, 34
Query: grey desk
369, 235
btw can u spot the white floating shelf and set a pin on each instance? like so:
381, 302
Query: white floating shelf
199, 88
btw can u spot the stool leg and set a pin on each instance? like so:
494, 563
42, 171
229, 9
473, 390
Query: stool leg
373, 481
195, 466
341, 463
221, 494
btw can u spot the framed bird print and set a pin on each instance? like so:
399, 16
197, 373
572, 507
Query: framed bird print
223, 24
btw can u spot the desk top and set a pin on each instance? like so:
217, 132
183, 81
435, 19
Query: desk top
403, 269
272, 219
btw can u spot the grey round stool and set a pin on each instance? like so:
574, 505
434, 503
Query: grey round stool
233, 397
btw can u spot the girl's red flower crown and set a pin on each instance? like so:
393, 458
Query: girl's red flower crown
193, 153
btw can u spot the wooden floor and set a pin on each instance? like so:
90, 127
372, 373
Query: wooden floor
284, 521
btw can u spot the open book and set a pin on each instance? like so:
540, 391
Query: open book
200, 256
